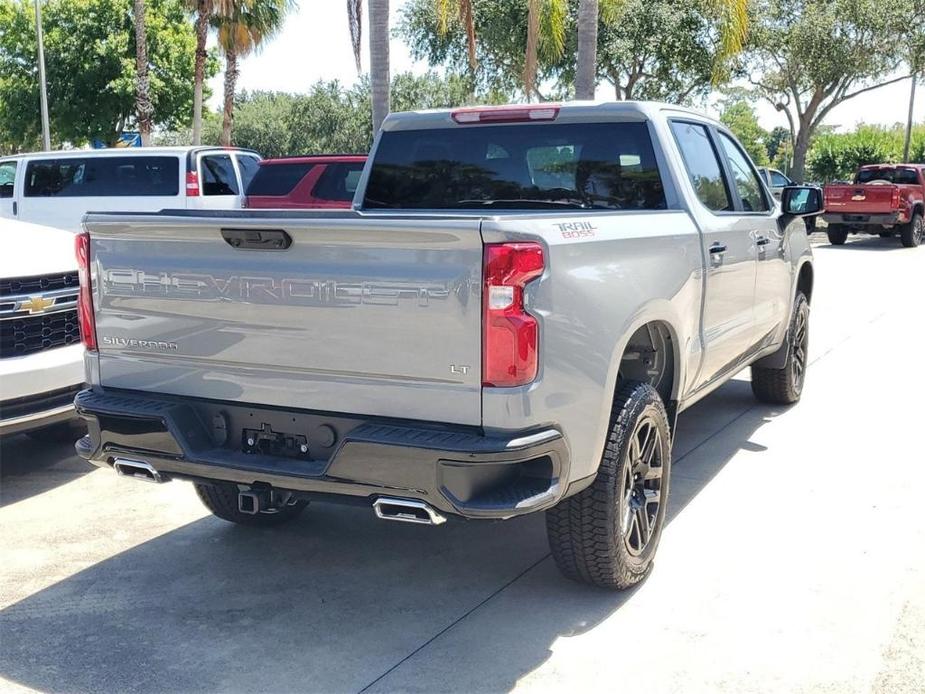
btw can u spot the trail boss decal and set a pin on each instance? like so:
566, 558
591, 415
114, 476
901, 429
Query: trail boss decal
576, 230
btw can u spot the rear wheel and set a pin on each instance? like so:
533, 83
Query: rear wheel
607, 534
837, 234
221, 499
911, 233
785, 385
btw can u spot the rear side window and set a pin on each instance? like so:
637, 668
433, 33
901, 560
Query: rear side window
7, 178
702, 165
338, 181
778, 180
530, 166
218, 175
103, 177
248, 167
277, 179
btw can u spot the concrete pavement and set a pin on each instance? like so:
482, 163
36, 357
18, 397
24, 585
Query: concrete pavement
794, 559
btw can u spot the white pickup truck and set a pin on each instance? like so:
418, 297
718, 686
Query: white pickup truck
41, 358
509, 321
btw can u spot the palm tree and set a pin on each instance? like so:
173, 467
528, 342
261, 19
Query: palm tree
379, 60
355, 22
144, 109
546, 24
466, 16
586, 73
243, 27
203, 9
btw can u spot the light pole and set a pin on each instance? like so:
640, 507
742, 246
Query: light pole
909, 120
46, 134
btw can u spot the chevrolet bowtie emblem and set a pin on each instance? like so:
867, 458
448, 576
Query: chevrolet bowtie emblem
36, 304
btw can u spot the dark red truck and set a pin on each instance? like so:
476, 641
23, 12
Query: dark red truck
310, 182
884, 199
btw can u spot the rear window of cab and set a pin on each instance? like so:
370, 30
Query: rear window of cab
607, 166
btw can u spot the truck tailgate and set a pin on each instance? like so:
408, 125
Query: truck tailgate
376, 318
859, 199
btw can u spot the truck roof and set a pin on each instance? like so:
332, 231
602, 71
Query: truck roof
121, 151
566, 111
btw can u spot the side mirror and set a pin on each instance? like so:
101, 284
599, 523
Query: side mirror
801, 201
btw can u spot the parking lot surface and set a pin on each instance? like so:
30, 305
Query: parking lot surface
794, 559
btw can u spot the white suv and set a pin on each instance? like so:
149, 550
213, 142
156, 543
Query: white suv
41, 355
58, 188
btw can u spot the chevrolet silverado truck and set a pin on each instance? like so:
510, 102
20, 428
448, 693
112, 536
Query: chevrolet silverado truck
883, 199
508, 321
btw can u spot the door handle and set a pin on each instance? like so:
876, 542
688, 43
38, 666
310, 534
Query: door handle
257, 239
15, 208
717, 248
762, 241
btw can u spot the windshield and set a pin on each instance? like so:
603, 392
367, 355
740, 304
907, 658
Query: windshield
522, 166
891, 174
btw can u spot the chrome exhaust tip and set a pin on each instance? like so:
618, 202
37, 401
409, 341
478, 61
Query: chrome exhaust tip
138, 470
407, 511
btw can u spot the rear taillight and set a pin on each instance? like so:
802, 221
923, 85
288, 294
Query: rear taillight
192, 184
510, 335
85, 317
895, 201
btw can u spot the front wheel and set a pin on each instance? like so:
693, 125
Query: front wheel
607, 534
785, 385
911, 233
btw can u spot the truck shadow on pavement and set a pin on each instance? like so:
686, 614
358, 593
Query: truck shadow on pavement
29, 467
335, 602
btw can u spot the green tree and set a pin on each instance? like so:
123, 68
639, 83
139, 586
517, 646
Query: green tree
90, 65
739, 116
243, 27
808, 56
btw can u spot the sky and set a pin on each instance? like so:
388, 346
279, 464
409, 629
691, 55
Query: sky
315, 44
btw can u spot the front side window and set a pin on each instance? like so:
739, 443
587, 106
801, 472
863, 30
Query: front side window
248, 166
744, 176
218, 175
7, 178
702, 164
608, 166
124, 176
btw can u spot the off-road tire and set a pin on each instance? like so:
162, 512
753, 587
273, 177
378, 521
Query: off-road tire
222, 501
837, 234
911, 234
585, 531
62, 432
784, 386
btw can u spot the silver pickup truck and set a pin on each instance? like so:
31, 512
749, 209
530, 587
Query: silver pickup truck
509, 321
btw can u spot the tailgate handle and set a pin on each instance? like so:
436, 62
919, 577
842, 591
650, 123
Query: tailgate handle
257, 239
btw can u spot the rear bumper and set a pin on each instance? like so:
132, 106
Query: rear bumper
460, 471
890, 219
37, 411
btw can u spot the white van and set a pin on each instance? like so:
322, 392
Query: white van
57, 188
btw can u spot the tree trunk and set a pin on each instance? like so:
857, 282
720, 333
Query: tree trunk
530, 56
202, 34
231, 79
800, 148
144, 110
379, 60
586, 75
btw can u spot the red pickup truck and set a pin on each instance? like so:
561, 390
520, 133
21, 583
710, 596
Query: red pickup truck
883, 199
